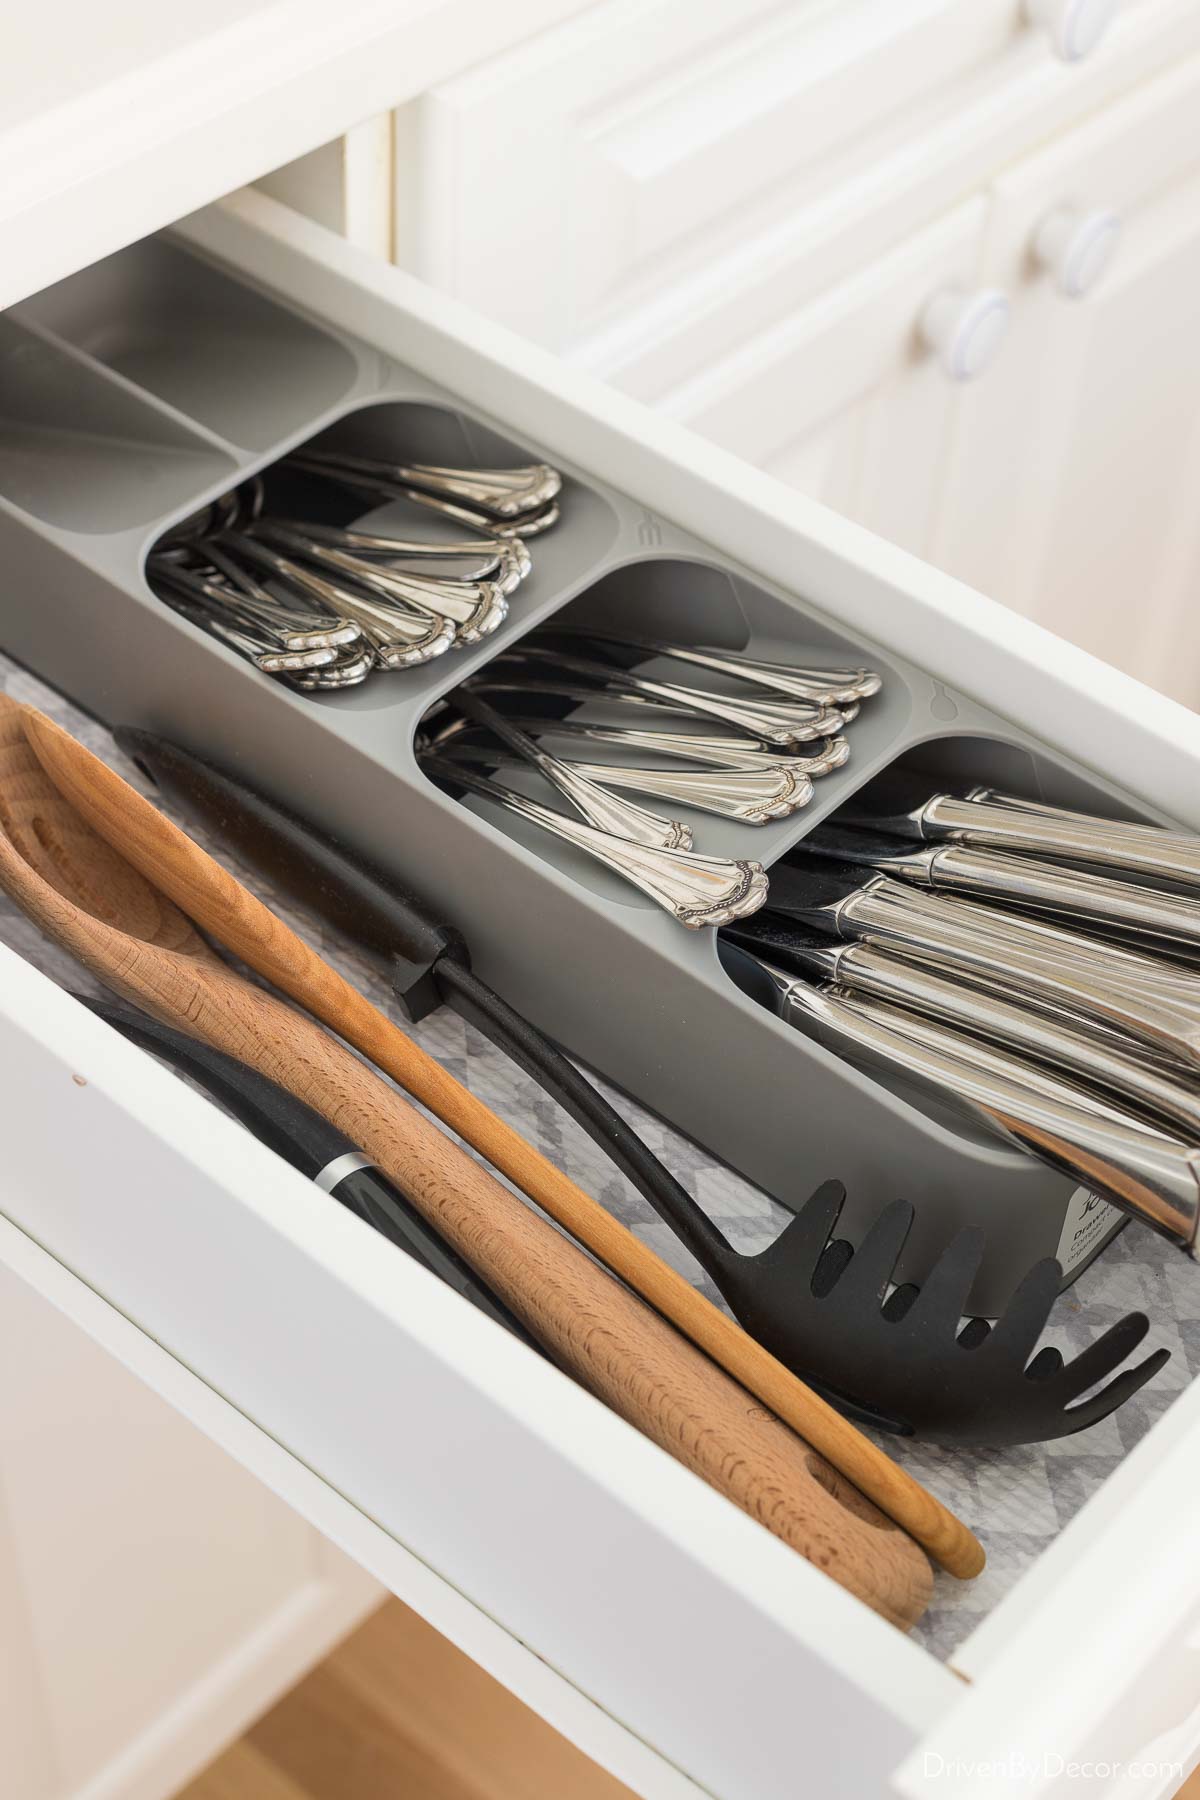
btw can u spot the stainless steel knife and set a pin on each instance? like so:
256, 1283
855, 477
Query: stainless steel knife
949, 933
900, 802
1091, 901
1145, 1171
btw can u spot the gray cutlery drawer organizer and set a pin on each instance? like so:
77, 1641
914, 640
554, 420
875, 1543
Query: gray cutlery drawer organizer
139, 389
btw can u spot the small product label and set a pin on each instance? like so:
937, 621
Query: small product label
1088, 1221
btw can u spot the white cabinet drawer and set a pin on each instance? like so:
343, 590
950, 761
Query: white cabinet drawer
1071, 477
649, 166
758, 264
660, 1629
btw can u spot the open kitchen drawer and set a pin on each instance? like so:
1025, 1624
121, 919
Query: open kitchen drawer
670, 1637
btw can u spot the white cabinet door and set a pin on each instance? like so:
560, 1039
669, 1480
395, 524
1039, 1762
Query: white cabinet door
153, 1595
1074, 476
841, 399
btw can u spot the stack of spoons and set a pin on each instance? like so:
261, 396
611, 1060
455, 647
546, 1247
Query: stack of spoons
324, 606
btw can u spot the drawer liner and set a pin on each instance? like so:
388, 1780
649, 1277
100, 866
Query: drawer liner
1016, 1500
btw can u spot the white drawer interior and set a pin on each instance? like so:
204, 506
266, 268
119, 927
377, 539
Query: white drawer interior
638, 1587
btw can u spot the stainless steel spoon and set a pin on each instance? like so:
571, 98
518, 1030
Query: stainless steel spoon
474, 608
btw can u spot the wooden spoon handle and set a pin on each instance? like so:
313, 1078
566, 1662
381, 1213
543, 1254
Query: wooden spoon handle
209, 894
595, 1329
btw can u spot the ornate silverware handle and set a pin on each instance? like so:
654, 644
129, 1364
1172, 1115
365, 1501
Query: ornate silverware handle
262, 647
1088, 899
1144, 1171
476, 608
1072, 1048
696, 890
376, 487
505, 492
1014, 825
402, 636
299, 629
754, 797
817, 686
923, 927
378, 543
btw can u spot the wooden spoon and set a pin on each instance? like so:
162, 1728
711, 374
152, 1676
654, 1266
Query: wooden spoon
208, 893
96, 905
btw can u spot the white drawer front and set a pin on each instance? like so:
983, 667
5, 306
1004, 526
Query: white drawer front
555, 1518
656, 136
762, 262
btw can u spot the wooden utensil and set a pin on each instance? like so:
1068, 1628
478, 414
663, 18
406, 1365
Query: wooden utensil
209, 894
94, 903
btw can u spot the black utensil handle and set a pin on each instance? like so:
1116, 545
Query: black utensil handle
533, 1052
312, 1145
353, 897
272, 1115
365, 905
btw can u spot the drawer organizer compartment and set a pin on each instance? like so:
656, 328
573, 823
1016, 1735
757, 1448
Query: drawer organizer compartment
589, 960
84, 454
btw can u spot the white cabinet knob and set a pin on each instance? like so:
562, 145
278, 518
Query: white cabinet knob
1076, 247
965, 330
1075, 26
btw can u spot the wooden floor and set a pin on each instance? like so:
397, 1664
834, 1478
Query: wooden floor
397, 1713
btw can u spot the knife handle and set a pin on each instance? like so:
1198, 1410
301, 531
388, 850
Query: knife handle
1141, 1170
1065, 1044
1054, 834
957, 933
1090, 901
